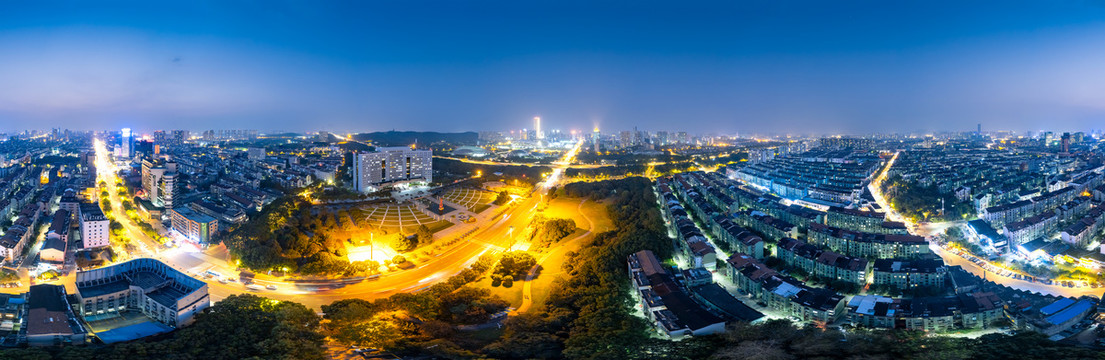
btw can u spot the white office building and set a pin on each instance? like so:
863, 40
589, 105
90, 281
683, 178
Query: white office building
390, 165
94, 226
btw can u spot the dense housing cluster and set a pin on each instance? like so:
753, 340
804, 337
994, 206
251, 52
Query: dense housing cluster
828, 177
808, 262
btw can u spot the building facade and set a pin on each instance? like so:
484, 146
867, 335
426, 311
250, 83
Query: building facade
389, 165
95, 231
197, 227
145, 285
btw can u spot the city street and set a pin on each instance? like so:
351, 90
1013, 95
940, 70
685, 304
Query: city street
954, 259
495, 236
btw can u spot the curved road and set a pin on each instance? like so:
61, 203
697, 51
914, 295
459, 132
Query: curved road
954, 259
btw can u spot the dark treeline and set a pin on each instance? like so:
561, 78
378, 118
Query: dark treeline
460, 169
238, 327
287, 234
422, 138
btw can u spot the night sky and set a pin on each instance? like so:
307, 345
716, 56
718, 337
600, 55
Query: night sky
753, 67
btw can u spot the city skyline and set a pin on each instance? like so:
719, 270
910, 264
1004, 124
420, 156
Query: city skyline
711, 67
570, 180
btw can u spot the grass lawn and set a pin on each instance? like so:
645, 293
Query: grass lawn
565, 207
479, 208
439, 225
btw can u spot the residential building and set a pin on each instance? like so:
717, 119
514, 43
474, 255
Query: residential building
822, 263
934, 314
159, 181
50, 320
390, 165
908, 274
255, 153
195, 226
854, 219
859, 244
771, 227
674, 313
95, 231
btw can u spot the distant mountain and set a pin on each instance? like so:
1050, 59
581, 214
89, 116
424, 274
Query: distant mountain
289, 135
405, 138
353, 146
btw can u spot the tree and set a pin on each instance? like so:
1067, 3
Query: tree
245, 326
469, 305
403, 243
553, 230
252, 326
515, 264
424, 235
502, 198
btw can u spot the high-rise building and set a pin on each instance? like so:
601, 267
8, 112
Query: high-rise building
180, 136
388, 165
626, 138
170, 139
537, 128
94, 226
229, 134
159, 180
126, 143
194, 226
168, 189
596, 137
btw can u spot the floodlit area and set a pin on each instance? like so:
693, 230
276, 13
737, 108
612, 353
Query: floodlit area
378, 253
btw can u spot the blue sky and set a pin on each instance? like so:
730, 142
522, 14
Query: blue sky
726, 67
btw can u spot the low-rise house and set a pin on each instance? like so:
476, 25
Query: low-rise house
822, 263
909, 274
50, 320
774, 229
784, 294
673, 312
934, 314
739, 238
866, 245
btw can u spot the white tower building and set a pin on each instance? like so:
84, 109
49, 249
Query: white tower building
537, 127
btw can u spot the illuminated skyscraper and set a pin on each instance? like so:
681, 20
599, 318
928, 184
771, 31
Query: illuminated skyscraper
595, 137
537, 128
126, 144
